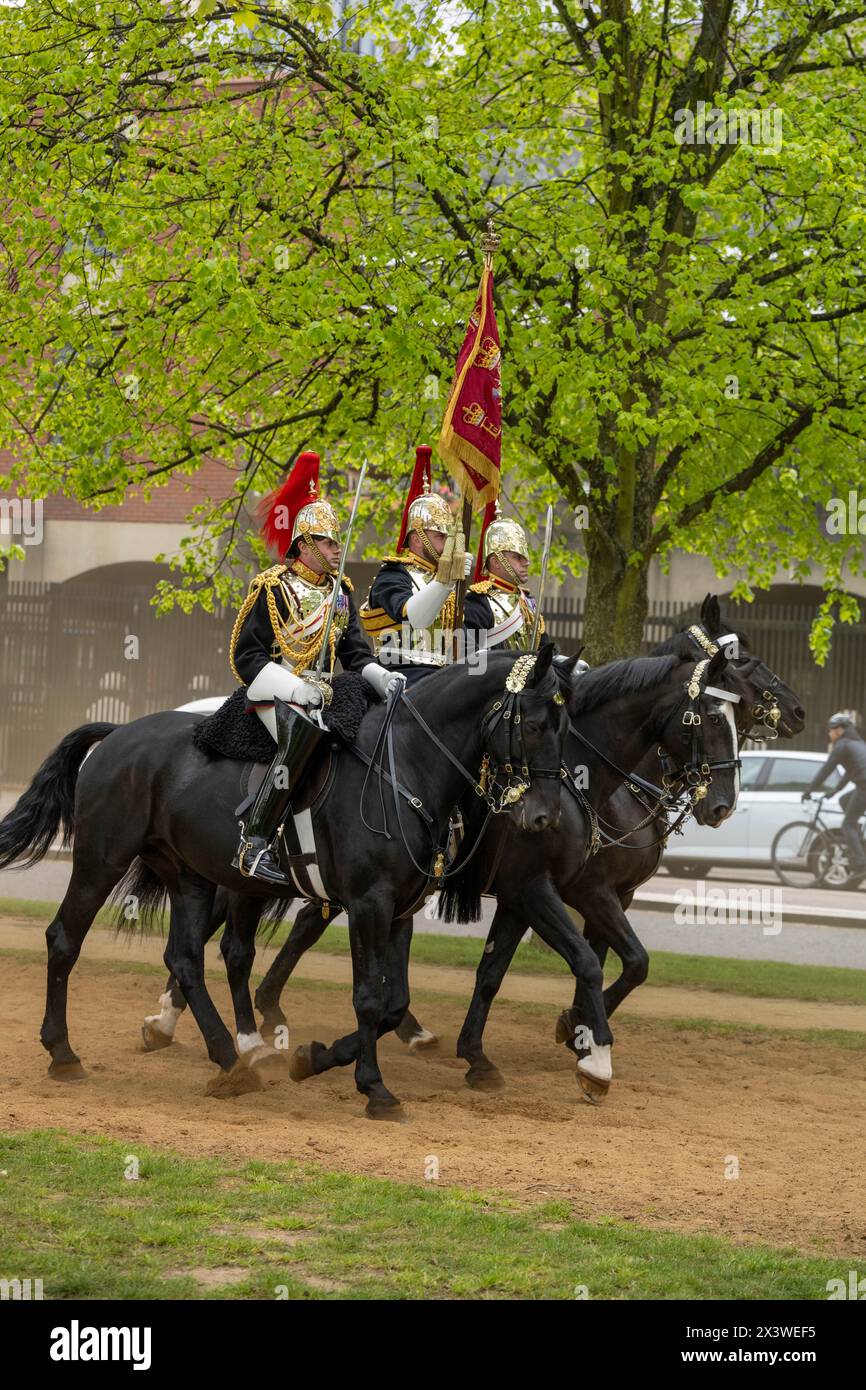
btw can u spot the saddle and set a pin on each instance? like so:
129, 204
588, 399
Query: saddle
234, 731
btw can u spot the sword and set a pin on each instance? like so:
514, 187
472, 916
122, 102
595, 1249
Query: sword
548, 536
335, 597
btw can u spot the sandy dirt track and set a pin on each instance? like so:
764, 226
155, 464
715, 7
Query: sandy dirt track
654, 1153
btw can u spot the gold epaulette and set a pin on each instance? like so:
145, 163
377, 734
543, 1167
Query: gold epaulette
409, 558
348, 583
482, 587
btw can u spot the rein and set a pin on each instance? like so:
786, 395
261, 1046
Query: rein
697, 772
499, 797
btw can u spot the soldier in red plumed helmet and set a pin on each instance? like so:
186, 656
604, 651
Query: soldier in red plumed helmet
277, 641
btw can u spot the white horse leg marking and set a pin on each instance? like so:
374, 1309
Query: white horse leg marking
166, 1021
598, 1063
423, 1038
248, 1042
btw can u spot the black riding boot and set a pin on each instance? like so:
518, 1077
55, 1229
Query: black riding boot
297, 739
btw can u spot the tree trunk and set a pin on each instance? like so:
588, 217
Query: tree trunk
616, 604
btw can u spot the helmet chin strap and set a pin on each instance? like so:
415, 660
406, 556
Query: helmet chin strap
328, 568
508, 567
425, 542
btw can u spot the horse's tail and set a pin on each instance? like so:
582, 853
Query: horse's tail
139, 900
460, 897
29, 830
273, 915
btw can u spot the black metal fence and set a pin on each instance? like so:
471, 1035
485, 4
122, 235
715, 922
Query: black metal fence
93, 648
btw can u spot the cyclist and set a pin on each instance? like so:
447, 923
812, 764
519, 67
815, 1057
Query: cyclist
849, 753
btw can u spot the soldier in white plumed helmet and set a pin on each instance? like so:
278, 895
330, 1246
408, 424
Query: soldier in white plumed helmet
499, 603
409, 612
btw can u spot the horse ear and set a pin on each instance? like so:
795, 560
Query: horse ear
711, 615
542, 664
717, 665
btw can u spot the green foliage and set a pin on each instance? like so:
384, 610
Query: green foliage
236, 239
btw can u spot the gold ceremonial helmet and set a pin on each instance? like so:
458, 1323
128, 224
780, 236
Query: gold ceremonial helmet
316, 518
429, 512
503, 534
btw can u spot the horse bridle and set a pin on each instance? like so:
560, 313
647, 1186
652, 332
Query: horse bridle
696, 773
769, 714
506, 709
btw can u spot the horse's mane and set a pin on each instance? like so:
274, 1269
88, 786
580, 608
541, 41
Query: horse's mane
628, 677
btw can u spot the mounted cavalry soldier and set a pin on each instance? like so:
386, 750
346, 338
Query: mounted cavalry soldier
409, 612
292, 626
499, 604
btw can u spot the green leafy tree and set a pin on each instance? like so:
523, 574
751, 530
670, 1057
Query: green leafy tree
228, 235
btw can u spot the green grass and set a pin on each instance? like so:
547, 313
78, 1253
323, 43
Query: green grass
763, 979
71, 1218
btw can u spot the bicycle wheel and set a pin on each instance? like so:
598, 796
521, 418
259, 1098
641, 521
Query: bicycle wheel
801, 855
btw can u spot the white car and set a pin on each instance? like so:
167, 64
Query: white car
771, 787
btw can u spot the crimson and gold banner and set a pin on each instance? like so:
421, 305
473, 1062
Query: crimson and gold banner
471, 437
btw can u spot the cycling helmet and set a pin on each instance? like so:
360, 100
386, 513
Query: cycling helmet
839, 721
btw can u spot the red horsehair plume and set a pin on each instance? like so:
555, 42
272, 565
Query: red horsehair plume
279, 509
420, 475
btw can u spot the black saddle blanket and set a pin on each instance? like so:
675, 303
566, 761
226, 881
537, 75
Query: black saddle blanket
234, 732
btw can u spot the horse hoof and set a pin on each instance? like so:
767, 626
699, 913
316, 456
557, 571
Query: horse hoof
425, 1041
67, 1071
268, 1063
301, 1062
236, 1082
564, 1031
485, 1079
593, 1088
378, 1108
154, 1039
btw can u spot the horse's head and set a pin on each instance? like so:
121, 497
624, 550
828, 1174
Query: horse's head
523, 734
768, 708
696, 727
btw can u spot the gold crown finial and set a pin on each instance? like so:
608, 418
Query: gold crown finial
489, 242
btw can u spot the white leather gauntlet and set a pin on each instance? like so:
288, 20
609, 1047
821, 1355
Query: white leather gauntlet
282, 683
380, 679
423, 607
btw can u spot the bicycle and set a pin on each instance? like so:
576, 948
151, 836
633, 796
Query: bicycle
811, 854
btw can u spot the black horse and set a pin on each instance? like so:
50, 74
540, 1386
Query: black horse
599, 887
634, 704
145, 790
